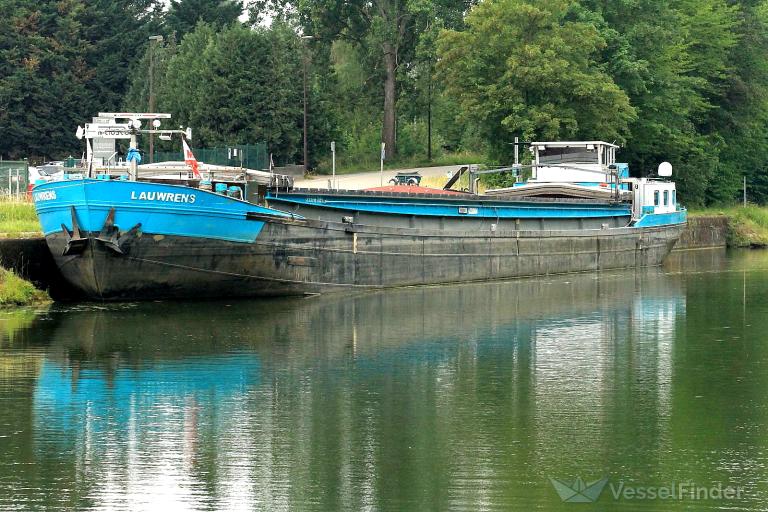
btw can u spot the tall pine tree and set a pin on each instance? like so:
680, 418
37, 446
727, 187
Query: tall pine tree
184, 15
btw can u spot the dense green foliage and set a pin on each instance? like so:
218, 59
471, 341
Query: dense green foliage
678, 80
61, 60
665, 78
237, 85
521, 68
184, 15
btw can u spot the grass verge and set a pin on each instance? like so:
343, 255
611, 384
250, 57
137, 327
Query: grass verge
748, 227
15, 291
18, 217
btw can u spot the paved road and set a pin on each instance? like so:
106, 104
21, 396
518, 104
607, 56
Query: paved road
371, 179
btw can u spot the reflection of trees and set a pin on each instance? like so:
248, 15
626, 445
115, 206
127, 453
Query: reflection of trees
391, 396
718, 414
415, 396
19, 369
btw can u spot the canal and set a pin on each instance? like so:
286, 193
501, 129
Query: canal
649, 386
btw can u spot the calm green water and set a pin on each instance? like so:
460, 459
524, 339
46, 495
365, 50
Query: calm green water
447, 398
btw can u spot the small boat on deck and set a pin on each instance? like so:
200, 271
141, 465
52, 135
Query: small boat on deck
118, 238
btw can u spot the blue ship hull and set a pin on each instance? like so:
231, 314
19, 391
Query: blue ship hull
126, 240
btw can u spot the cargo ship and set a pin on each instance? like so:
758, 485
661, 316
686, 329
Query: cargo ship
115, 236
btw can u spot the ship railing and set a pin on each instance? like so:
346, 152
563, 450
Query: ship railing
609, 172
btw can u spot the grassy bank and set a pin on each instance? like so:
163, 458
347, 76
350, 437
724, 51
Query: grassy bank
17, 217
15, 291
748, 227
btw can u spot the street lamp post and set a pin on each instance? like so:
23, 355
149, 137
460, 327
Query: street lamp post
306, 112
153, 40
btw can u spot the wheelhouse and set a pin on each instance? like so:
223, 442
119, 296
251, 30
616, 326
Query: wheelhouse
583, 162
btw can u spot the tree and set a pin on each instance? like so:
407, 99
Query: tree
674, 78
43, 77
60, 63
117, 32
184, 15
381, 24
521, 69
426, 94
238, 85
742, 118
387, 30
159, 55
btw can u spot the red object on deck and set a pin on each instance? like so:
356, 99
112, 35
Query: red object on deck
414, 189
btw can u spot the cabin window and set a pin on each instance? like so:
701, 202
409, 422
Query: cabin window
579, 155
666, 197
656, 198
674, 197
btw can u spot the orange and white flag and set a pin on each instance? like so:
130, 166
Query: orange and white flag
189, 159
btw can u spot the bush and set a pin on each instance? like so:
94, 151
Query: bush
15, 291
361, 144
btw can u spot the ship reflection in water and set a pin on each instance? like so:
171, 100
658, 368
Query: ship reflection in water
449, 397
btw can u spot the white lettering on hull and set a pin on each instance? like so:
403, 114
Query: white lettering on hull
45, 196
168, 197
